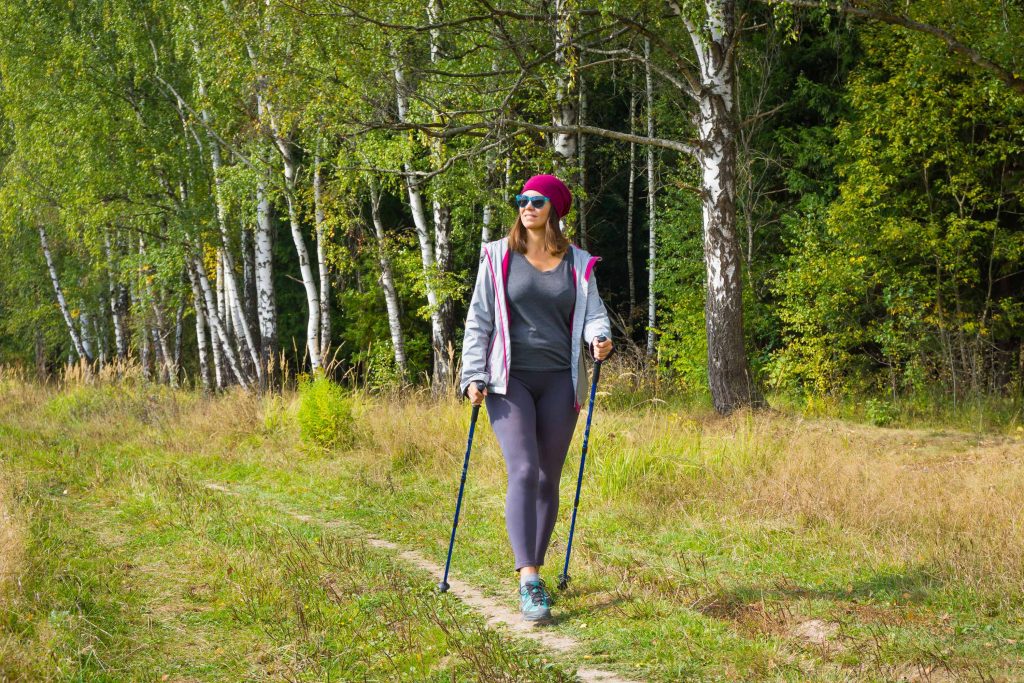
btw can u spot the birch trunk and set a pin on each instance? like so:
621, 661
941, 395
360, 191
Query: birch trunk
321, 258
99, 328
116, 291
235, 317
284, 147
729, 377
566, 55
219, 333
265, 297
179, 318
218, 280
485, 231
443, 375
76, 339
249, 282
652, 211
159, 333
147, 373
438, 341
84, 320
388, 282
170, 371
443, 361
159, 357
312, 295
199, 305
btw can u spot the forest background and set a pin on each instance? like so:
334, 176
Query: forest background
229, 192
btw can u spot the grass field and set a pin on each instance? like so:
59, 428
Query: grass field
759, 547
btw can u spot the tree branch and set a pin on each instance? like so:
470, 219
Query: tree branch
1011, 80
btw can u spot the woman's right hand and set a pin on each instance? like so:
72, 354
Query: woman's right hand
476, 392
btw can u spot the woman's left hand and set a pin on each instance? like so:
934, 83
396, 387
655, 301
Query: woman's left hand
601, 349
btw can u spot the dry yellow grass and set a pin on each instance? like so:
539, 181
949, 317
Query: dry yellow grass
948, 501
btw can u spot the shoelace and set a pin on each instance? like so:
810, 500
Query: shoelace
536, 593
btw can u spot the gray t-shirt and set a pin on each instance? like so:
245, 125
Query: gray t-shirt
540, 306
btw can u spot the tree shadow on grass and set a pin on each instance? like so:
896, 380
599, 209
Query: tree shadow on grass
914, 586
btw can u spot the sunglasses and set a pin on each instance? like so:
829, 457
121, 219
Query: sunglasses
537, 201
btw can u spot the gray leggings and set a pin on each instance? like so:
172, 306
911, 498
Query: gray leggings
534, 422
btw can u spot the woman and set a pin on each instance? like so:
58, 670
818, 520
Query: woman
534, 306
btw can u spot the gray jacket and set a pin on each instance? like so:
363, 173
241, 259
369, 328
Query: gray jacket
486, 344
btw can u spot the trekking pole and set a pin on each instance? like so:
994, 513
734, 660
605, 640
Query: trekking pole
443, 586
563, 580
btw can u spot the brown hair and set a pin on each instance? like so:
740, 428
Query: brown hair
555, 243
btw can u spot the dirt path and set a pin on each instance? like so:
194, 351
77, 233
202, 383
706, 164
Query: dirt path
497, 615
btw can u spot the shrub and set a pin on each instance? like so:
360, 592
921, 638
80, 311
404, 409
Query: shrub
325, 413
879, 413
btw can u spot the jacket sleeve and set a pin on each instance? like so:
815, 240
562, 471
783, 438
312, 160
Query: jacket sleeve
479, 328
596, 322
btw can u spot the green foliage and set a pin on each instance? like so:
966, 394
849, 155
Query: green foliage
325, 413
896, 283
879, 412
680, 285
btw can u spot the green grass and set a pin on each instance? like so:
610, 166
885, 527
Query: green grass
134, 569
760, 548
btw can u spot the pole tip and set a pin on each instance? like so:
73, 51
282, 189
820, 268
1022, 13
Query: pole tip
443, 587
563, 582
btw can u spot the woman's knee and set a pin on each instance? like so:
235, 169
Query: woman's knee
547, 485
523, 474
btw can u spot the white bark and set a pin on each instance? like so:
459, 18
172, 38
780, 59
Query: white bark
159, 364
444, 349
222, 308
220, 334
142, 327
423, 234
265, 297
200, 309
283, 146
434, 8
116, 292
728, 373
565, 144
321, 258
179, 317
164, 356
147, 374
248, 281
76, 339
235, 317
170, 371
84, 320
312, 295
485, 231
388, 284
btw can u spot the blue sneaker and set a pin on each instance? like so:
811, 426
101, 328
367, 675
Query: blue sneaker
534, 602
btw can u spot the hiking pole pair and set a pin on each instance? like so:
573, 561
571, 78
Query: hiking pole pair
443, 586
563, 580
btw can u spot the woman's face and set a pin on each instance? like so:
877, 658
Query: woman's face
534, 219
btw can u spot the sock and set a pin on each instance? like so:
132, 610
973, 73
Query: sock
524, 578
